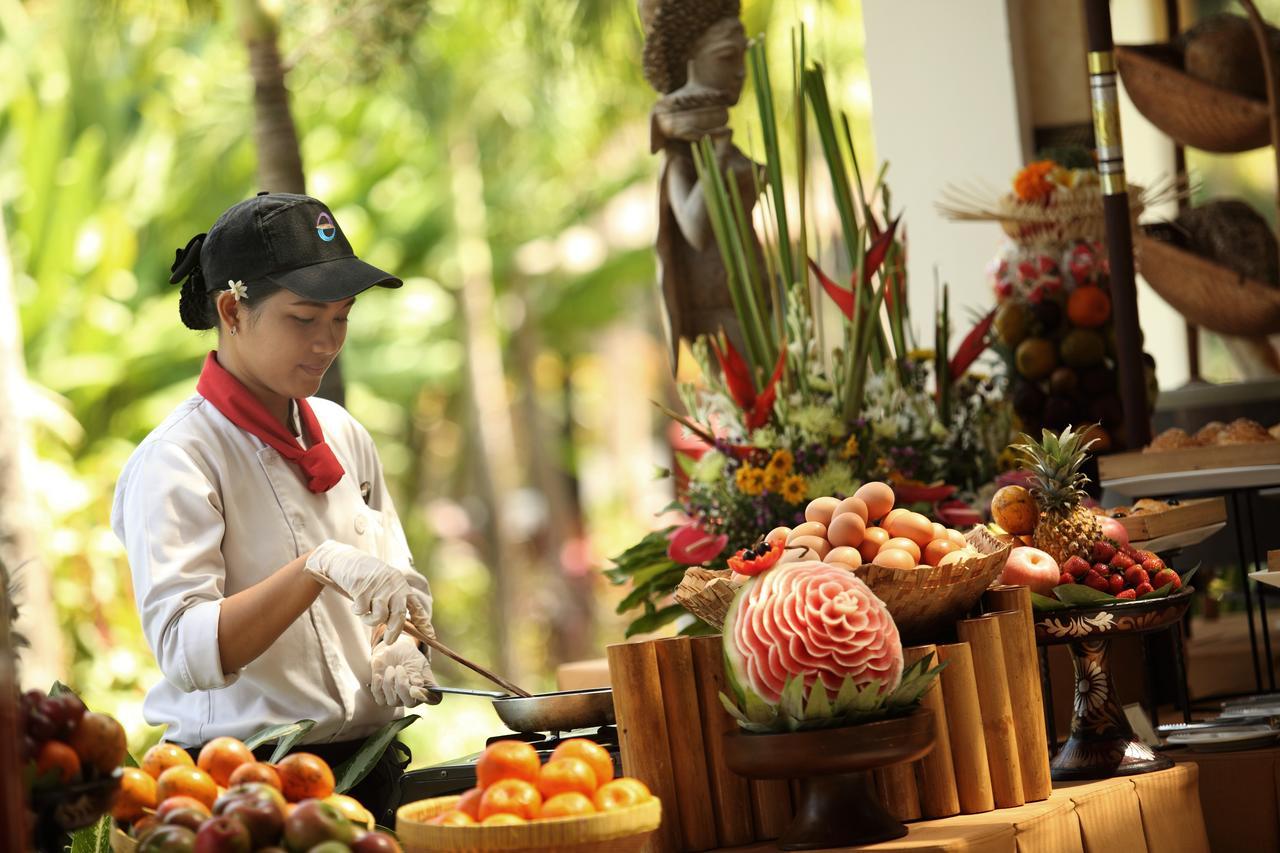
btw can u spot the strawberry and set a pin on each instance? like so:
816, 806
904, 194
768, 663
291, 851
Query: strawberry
1136, 576
1153, 564
1122, 561
1101, 568
1130, 552
1166, 577
1143, 556
1065, 578
1076, 566
1127, 594
1144, 588
1093, 580
1115, 583
1102, 552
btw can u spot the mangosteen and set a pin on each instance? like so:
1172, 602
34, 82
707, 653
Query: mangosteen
1048, 314
1059, 411
1028, 400
1097, 380
1064, 381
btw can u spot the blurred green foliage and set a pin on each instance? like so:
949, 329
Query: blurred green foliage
125, 128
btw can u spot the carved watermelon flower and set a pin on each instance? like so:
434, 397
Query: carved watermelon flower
813, 623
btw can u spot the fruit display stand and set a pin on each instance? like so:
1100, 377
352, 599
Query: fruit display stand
1102, 743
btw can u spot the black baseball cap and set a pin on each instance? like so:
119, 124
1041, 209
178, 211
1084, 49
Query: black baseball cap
293, 241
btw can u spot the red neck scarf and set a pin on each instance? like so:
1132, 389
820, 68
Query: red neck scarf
237, 403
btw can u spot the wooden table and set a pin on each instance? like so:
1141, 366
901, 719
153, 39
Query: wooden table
1239, 795
1152, 813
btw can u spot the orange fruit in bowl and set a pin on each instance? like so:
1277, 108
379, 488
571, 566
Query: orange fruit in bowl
255, 771
187, 782
1088, 306
56, 757
589, 751
137, 792
568, 804
510, 796
565, 775
620, 794
304, 776
502, 819
221, 756
162, 756
470, 802
507, 759
453, 817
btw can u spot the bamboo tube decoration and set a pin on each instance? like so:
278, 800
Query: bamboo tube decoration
983, 637
642, 732
730, 794
898, 790
684, 733
936, 773
964, 728
1017, 637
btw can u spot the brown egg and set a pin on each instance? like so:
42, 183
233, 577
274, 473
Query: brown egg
878, 497
847, 529
808, 528
902, 543
845, 556
871, 542
894, 514
814, 543
957, 537
954, 556
821, 510
895, 558
855, 505
913, 526
784, 532
939, 531
937, 549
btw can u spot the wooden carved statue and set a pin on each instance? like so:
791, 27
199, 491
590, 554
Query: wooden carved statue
694, 54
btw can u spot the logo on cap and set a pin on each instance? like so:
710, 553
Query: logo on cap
325, 228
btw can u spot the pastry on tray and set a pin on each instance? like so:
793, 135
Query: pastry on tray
1142, 506
1170, 439
1275, 432
1243, 431
1208, 433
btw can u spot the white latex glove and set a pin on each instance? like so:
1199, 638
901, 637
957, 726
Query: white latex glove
401, 674
379, 592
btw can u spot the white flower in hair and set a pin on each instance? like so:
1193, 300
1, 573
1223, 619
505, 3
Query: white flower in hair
238, 289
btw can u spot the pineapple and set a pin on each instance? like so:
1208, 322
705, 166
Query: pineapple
1064, 528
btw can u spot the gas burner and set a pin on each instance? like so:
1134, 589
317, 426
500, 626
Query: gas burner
606, 736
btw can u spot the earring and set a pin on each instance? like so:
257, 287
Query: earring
233, 330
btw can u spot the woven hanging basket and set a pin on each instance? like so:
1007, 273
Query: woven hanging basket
1193, 112
1207, 294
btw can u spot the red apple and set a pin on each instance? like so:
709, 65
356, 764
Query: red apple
261, 816
223, 835
190, 818
375, 842
1113, 529
168, 839
313, 822
1031, 567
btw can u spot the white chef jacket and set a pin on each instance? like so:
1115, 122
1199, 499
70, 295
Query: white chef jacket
204, 510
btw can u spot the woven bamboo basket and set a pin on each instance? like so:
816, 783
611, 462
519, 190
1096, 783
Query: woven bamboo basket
1206, 293
925, 601
1074, 215
1193, 112
622, 830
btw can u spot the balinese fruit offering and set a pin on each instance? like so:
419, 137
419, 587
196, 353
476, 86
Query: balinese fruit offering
290, 805
809, 645
513, 786
63, 743
1064, 527
864, 528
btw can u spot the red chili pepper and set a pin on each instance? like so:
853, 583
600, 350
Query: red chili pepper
764, 555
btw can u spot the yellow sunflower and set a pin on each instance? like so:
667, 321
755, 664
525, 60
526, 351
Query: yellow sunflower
850, 447
749, 480
794, 489
773, 479
782, 461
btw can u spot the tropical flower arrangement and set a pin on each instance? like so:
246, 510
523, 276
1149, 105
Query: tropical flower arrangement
808, 407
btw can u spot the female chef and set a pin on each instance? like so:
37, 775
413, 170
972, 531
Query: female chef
264, 547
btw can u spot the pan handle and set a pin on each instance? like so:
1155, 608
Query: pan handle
463, 691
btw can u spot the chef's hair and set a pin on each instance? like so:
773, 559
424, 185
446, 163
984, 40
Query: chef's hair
198, 303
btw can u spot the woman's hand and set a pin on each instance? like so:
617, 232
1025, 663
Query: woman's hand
379, 592
401, 674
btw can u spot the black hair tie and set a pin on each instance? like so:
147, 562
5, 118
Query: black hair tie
187, 260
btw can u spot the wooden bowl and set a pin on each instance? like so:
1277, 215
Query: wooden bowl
1193, 112
1209, 295
622, 830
